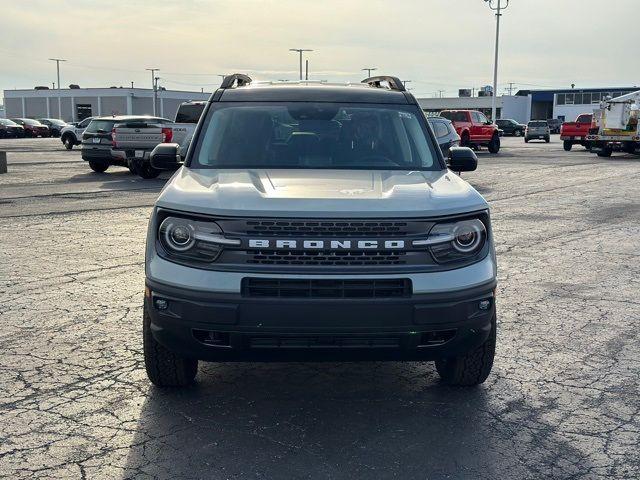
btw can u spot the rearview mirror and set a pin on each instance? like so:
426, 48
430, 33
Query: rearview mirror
165, 156
462, 159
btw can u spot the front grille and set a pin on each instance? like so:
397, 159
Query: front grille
326, 258
325, 341
322, 228
305, 288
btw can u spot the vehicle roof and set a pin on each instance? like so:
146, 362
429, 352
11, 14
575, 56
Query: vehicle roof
313, 92
459, 110
119, 118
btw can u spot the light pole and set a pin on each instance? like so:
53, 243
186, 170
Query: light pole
497, 9
404, 82
300, 50
153, 86
58, 60
369, 70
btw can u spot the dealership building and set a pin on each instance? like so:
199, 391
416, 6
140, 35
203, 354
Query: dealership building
525, 105
74, 104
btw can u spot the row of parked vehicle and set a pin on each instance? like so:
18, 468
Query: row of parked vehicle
29, 127
127, 140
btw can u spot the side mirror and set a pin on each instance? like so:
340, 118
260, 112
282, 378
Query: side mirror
166, 157
462, 159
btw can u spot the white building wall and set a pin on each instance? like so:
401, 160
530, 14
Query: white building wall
570, 112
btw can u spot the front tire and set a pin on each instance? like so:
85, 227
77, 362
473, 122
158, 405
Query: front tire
606, 152
98, 167
494, 144
147, 172
465, 140
547, 139
567, 145
472, 368
164, 367
68, 142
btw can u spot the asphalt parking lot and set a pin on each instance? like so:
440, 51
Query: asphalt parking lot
562, 401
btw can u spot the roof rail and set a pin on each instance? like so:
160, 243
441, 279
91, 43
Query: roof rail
394, 82
237, 79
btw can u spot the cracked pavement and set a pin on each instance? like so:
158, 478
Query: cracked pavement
562, 401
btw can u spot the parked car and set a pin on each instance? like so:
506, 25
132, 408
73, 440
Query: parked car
537, 130
511, 127
97, 140
445, 134
71, 135
9, 128
133, 142
317, 222
572, 133
32, 128
554, 124
55, 125
474, 128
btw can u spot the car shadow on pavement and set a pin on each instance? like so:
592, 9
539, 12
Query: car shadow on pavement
342, 420
115, 177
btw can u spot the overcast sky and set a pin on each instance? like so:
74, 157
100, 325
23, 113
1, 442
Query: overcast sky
438, 44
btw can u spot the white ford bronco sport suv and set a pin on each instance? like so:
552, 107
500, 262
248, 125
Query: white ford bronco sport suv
318, 222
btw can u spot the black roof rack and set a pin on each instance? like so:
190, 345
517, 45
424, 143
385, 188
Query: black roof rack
394, 82
237, 79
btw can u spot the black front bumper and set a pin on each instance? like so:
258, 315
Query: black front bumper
231, 327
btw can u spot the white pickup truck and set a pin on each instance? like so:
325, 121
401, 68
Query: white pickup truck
132, 142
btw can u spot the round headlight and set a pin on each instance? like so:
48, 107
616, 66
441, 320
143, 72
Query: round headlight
178, 234
467, 236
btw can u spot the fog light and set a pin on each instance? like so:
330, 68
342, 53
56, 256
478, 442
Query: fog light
161, 304
484, 304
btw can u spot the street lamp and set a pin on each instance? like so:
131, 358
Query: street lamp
300, 50
497, 9
369, 70
58, 60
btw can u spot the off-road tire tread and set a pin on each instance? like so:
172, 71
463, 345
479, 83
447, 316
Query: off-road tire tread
164, 367
470, 369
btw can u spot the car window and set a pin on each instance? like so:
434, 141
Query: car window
96, 125
440, 129
189, 113
479, 117
31, 122
584, 119
315, 135
84, 123
454, 116
6, 121
538, 124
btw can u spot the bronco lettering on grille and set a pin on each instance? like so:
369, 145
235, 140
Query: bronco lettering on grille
326, 244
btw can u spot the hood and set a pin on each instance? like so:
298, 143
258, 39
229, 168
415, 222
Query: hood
319, 193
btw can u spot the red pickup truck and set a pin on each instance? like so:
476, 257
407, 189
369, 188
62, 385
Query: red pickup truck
474, 129
572, 133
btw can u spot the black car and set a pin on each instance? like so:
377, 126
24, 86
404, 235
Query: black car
445, 133
554, 125
9, 128
511, 127
55, 125
96, 141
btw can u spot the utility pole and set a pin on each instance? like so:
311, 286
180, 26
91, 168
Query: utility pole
497, 9
155, 96
511, 87
300, 50
58, 60
153, 86
306, 71
369, 70
404, 82
440, 92
131, 84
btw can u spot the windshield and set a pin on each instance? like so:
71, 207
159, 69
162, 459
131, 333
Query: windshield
34, 123
6, 121
55, 121
315, 135
538, 124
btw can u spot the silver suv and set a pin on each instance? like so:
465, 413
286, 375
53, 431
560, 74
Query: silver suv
537, 130
314, 222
